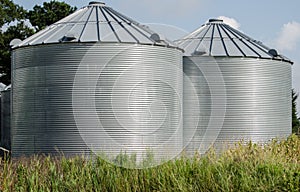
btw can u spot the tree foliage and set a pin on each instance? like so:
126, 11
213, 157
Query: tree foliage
19, 31
43, 16
295, 119
39, 17
10, 12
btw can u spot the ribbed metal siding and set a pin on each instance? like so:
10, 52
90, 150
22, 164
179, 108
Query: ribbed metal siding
5, 119
258, 98
197, 106
0, 121
52, 84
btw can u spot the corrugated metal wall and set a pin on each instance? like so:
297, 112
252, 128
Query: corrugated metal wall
5, 119
0, 122
107, 97
258, 99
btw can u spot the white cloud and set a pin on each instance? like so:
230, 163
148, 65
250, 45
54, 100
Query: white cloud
289, 36
287, 41
230, 21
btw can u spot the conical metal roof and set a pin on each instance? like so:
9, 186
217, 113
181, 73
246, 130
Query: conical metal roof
215, 38
96, 23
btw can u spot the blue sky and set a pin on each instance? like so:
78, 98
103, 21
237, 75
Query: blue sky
276, 23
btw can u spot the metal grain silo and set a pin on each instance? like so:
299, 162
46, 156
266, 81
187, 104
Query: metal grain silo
96, 81
2, 87
243, 88
5, 118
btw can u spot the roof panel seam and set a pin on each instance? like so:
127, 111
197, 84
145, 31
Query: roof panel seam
211, 39
198, 45
250, 40
109, 23
87, 21
98, 28
241, 39
120, 23
122, 17
232, 39
222, 40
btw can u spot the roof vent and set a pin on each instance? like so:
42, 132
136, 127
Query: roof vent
96, 3
197, 53
14, 42
273, 52
68, 37
155, 37
215, 20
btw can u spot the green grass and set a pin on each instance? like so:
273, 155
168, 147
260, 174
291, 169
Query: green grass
250, 167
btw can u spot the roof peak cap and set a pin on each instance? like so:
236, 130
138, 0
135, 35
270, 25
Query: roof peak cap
215, 20
96, 3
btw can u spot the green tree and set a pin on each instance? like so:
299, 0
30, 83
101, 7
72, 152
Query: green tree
10, 12
295, 119
43, 16
39, 17
19, 31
